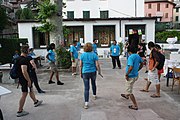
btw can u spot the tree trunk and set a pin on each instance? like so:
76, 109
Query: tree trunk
56, 36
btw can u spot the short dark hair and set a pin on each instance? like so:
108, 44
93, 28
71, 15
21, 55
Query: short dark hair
157, 46
151, 45
24, 49
51, 47
132, 49
94, 40
74, 41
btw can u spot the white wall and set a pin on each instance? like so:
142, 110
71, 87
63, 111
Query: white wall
116, 8
25, 31
150, 27
126, 8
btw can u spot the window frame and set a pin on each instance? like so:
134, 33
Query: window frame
86, 14
104, 14
70, 14
158, 7
149, 6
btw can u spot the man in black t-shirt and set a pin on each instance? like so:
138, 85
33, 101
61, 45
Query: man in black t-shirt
25, 81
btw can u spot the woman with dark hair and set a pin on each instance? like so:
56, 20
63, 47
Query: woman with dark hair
88, 66
51, 59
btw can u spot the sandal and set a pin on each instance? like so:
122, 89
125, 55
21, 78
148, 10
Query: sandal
143, 90
124, 96
155, 96
133, 107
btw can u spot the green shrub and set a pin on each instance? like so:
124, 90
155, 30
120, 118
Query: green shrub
63, 57
161, 37
8, 47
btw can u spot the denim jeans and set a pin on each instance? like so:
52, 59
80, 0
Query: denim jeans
86, 78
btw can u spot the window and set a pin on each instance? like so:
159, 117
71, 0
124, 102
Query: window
149, 15
167, 5
104, 14
149, 6
166, 15
177, 9
177, 18
158, 7
86, 14
70, 14
40, 39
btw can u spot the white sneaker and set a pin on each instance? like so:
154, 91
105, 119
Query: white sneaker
23, 113
86, 106
74, 74
94, 97
38, 103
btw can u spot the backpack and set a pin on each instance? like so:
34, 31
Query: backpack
14, 70
161, 62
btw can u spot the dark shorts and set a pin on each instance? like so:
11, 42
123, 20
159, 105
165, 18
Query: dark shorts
24, 85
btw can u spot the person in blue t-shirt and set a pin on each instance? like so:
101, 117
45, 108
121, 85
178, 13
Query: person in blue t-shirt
88, 66
115, 53
74, 57
134, 64
78, 46
94, 45
51, 59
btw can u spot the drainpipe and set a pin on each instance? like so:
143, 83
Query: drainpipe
135, 8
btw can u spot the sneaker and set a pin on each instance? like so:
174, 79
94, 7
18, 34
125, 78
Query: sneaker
94, 97
74, 74
22, 113
37, 103
86, 106
51, 82
60, 83
41, 91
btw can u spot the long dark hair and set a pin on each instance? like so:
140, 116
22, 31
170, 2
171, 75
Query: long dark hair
51, 47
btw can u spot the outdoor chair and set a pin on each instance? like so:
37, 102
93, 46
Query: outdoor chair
176, 77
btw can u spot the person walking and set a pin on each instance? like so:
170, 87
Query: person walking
153, 76
142, 53
134, 64
33, 75
88, 66
94, 45
25, 81
74, 57
51, 59
115, 53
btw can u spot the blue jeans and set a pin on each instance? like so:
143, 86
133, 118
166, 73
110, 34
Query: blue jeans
86, 78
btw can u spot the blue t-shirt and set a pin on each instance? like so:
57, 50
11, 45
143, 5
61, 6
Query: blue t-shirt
89, 62
78, 46
115, 50
133, 60
74, 51
51, 56
94, 48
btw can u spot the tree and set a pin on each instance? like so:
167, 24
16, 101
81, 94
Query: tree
24, 14
50, 15
3, 19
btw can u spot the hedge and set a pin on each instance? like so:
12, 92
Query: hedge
8, 48
161, 37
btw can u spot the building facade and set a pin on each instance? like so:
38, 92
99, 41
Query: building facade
104, 20
160, 8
